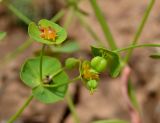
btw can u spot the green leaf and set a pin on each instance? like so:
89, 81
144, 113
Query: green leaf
52, 94
2, 35
110, 121
30, 75
155, 56
34, 32
114, 64
68, 47
132, 95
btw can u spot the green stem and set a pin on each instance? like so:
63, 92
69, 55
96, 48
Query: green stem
104, 25
56, 73
18, 13
136, 46
58, 16
41, 62
72, 108
140, 28
88, 28
19, 112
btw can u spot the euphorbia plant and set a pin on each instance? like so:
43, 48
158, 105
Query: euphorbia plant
46, 76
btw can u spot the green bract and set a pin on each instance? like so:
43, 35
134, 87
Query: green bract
35, 32
30, 75
113, 59
99, 63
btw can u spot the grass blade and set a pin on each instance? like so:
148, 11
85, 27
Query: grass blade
140, 28
104, 25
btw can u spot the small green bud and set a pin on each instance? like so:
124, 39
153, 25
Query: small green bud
71, 63
99, 63
92, 85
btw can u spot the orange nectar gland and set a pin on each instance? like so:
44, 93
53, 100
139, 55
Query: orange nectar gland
48, 33
87, 73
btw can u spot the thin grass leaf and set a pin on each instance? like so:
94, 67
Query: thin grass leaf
132, 95
20, 15
104, 25
58, 16
140, 28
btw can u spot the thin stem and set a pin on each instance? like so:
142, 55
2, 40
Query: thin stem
72, 108
19, 112
88, 28
18, 13
136, 46
58, 16
140, 28
56, 73
61, 84
41, 62
104, 25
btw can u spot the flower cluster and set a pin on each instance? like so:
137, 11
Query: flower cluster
48, 33
88, 73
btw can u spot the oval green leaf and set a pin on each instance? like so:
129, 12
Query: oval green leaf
114, 63
30, 75
34, 32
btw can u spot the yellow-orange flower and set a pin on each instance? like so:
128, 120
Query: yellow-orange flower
48, 33
88, 73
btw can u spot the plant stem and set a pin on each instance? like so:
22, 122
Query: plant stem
88, 28
56, 73
72, 108
59, 15
136, 46
140, 28
19, 112
18, 13
41, 62
61, 84
104, 25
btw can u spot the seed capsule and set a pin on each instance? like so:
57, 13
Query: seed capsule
99, 63
92, 85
